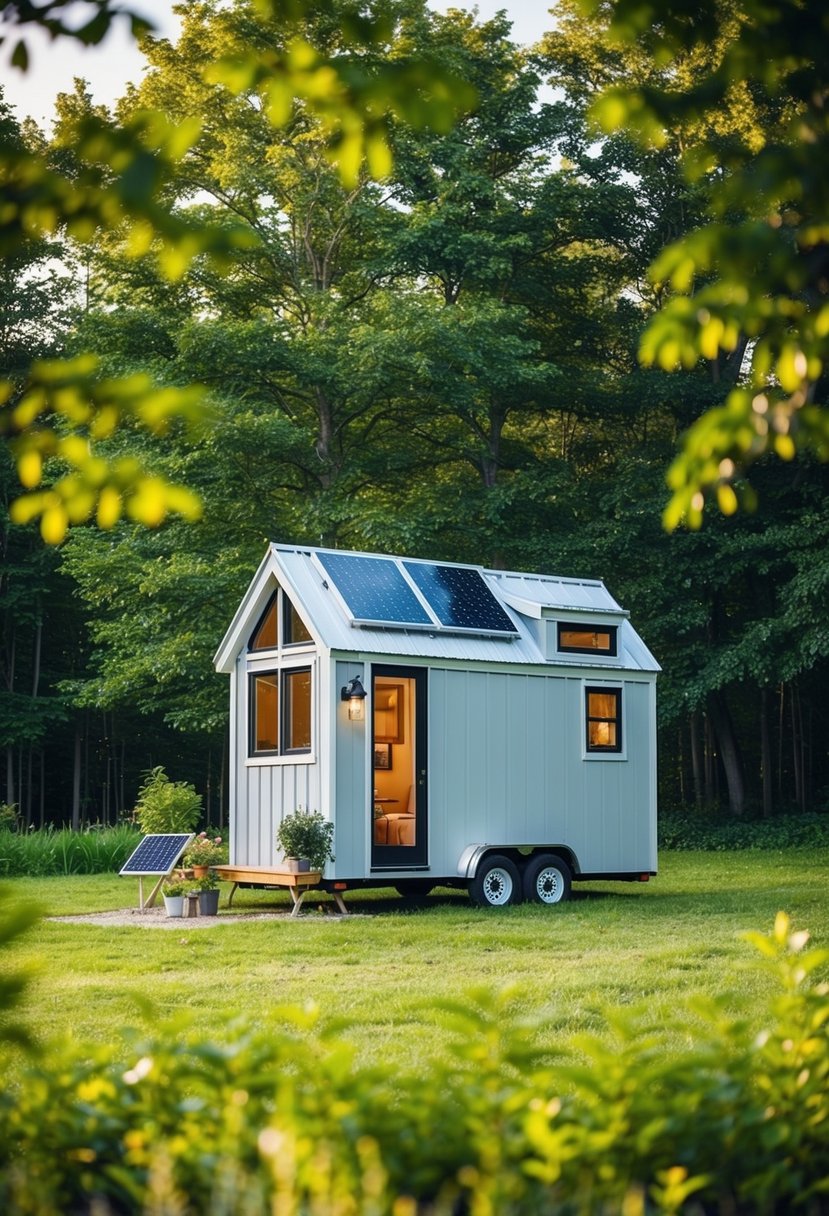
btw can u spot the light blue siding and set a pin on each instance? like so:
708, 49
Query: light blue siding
352, 817
507, 768
265, 792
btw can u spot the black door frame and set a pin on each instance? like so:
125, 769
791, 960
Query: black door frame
406, 857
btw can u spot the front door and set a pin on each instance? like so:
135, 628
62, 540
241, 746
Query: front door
399, 766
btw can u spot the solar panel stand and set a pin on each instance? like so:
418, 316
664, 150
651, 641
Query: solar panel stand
153, 894
156, 856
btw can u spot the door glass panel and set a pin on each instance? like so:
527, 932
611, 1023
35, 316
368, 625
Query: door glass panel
395, 786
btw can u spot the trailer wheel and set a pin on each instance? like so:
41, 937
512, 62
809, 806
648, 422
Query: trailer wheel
497, 883
547, 879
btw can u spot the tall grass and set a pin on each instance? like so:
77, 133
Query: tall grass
49, 852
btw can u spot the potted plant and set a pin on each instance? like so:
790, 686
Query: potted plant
305, 838
174, 890
208, 889
203, 852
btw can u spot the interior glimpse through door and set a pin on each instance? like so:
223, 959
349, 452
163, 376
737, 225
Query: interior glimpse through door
398, 767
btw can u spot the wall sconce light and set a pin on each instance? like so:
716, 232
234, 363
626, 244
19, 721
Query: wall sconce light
355, 694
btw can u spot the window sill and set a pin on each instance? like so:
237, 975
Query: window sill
269, 761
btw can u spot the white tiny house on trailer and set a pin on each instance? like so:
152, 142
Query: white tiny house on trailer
459, 726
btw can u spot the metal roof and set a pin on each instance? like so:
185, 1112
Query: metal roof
524, 597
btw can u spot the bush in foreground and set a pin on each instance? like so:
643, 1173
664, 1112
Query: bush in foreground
278, 1119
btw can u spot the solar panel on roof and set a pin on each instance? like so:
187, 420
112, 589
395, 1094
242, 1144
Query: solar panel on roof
374, 589
157, 854
460, 598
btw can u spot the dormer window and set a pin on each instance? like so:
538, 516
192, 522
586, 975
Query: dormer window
587, 639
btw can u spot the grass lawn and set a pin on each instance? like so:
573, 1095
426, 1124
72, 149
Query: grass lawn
381, 970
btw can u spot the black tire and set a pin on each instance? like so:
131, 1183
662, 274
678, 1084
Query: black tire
415, 888
497, 883
547, 879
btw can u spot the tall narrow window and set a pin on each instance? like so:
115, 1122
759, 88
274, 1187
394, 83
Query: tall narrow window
265, 634
604, 719
296, 710
581, 639
265, 712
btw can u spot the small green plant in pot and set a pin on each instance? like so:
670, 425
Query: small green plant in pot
306, 835
174, 890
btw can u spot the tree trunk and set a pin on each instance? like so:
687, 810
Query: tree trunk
797, 747
729, 751
696, 759
765, 753
76, 781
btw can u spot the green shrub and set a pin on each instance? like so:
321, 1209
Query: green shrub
9, 817
49, 852
276, 1118
681, 830
166, 806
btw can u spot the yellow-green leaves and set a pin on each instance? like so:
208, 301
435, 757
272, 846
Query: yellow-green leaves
64, 408
355, 92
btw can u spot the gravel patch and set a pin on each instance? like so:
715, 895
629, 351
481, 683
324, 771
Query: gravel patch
157, 918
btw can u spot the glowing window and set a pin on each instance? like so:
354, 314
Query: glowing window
604, 719
581, 639
293, 626
265, 712
264, 635
296, 710
280, 712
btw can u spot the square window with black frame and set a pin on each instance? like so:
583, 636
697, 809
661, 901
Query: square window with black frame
604, 719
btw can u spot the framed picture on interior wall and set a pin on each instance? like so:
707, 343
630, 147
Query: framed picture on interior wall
382, 755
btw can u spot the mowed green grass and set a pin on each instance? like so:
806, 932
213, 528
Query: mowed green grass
379, 973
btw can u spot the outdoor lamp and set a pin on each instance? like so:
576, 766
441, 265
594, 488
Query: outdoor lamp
355, 694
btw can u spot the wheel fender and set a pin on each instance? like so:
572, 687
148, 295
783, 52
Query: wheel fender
470, 858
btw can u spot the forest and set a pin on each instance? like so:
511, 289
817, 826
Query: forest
444, 360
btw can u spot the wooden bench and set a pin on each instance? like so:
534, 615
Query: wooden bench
299, 884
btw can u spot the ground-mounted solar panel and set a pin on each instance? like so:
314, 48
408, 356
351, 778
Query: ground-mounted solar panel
374, 590
157, 854
460, 598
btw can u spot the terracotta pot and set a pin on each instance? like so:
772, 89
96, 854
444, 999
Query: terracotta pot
200, 871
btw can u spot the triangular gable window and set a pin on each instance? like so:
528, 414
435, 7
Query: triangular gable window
265, 634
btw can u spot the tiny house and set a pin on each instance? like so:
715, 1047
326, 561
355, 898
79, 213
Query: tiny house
459, 726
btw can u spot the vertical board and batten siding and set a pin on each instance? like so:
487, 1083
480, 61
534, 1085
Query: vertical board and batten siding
351, 768
269, 791
507, 767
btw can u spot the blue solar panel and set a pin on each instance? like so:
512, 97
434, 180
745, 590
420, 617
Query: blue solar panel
157, 854
460, 598
374, 589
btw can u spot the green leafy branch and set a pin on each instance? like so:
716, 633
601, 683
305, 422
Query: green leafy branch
759, 272
117, 182
66, 407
